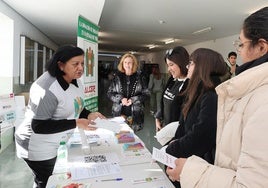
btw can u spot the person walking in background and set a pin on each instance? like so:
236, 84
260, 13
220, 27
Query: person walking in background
128, 92
232, 56
241, 154
54, 110
176, 60
156, 86
196, 134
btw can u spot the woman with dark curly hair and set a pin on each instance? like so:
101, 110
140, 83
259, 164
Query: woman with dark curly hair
55, 109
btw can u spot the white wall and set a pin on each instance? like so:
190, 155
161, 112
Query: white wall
6, 55
157, 58
221, 45
12, 25
21, 27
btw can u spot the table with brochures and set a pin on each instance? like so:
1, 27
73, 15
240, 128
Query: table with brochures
108, 163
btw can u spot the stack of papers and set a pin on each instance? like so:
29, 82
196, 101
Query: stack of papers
64, 181
91, 138
106, 124
139, 156
95, 165
118, 119
133, 146
94, 170
125, 137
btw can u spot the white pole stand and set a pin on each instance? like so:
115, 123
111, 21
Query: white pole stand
85, 145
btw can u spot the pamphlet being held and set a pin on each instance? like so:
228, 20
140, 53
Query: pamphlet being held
164, 158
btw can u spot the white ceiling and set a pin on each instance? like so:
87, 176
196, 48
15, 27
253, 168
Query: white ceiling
133, 25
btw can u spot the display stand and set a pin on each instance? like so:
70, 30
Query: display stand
7, 119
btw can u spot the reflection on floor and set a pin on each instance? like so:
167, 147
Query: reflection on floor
13, 171
15, 174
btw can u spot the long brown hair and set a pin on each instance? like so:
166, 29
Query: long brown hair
209, 66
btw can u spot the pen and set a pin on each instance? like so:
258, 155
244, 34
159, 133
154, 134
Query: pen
115, 179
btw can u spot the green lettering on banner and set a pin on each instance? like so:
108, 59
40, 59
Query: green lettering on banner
91, 103
87, 30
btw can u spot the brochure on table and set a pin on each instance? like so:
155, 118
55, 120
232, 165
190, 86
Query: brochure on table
7, 119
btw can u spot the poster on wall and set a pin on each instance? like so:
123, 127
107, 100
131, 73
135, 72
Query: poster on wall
87, 39
7, 115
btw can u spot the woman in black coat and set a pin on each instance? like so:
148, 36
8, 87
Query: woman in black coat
128, 91
170, 109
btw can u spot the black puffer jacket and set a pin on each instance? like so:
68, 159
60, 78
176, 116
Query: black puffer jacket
196, 134
132, 87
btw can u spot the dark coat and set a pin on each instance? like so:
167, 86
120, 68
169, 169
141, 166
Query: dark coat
196, 135
132, 87
171, 109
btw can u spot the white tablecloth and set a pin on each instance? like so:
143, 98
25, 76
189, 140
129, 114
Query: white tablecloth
137, 171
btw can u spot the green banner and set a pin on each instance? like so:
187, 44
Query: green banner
91, 104
87, 30
87, 39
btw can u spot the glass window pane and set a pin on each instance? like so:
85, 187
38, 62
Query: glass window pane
40, 59
29, 60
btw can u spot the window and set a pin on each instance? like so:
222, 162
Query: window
40, 59
33, 58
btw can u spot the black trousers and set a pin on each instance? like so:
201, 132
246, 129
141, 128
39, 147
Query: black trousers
41, 170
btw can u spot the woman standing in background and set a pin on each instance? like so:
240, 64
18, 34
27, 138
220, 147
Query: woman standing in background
128, 92
156, 86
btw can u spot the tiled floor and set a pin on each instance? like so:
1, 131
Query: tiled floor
14, 173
